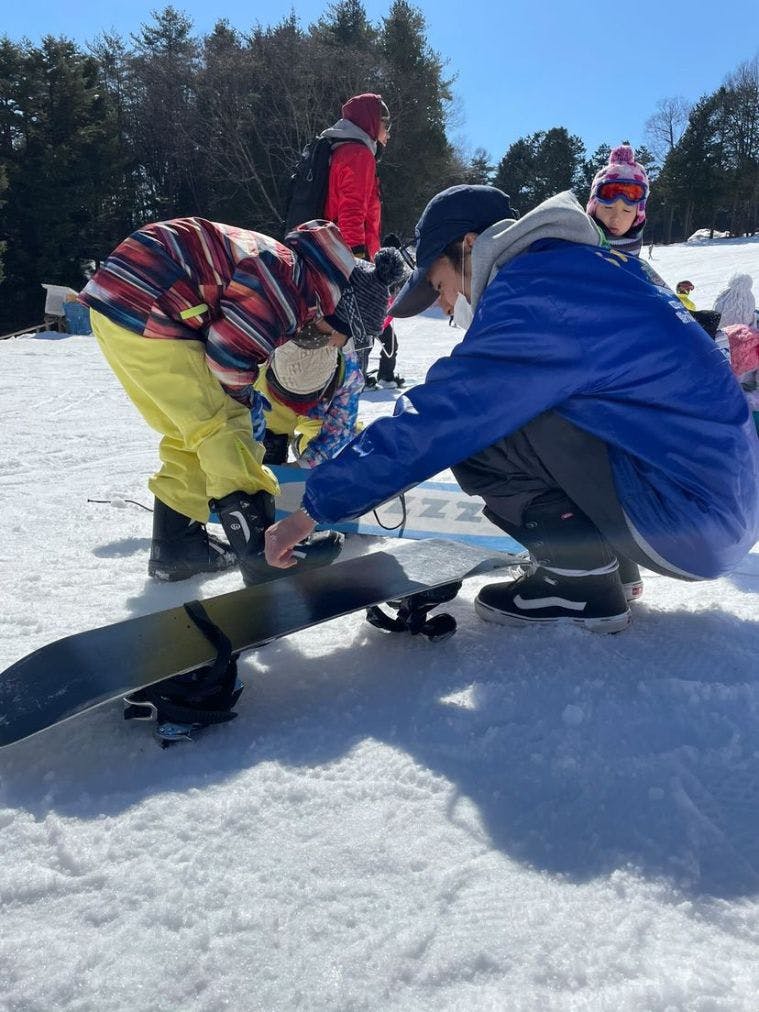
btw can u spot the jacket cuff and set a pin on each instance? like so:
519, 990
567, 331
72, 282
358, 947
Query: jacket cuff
307, 506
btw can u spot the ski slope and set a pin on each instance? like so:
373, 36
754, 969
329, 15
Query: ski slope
515, 819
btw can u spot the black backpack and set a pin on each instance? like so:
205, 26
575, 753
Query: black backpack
307, 193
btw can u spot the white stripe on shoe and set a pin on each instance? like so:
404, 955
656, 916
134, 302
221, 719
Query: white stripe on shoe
530, 603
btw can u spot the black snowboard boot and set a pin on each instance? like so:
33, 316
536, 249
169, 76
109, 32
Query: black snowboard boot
182, 548
576, 575
245, 517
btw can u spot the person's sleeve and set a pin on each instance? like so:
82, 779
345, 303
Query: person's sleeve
250, 326
340, 420
354, 185
517, 360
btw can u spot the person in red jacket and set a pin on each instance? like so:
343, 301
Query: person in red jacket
353, 193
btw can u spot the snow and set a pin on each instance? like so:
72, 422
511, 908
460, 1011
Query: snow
527, 819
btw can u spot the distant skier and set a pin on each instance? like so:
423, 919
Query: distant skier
597, 420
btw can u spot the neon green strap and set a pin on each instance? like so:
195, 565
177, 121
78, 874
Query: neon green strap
188, 314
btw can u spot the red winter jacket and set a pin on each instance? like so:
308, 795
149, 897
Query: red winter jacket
353, 193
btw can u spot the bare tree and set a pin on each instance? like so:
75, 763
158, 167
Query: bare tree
667, 125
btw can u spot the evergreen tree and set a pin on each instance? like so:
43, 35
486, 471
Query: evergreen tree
557, 165
56, 174
590, 167
3, 187
688, 187
479, 171
515, 172
536, 167
418, 159
164, 69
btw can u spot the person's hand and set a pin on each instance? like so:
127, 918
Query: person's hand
282, 537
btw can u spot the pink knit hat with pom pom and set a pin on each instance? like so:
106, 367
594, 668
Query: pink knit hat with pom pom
622, 167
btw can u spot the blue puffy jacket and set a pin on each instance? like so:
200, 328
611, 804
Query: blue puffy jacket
579, 330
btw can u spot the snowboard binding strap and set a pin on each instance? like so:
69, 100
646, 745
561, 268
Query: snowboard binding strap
197, 698
412, 614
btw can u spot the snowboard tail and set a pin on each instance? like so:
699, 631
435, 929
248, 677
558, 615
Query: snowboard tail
72, 675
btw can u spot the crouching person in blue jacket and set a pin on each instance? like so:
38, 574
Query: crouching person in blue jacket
599, 423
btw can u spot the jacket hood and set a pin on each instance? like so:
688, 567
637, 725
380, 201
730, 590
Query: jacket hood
324, 264
365, 111
559, 217
346, 130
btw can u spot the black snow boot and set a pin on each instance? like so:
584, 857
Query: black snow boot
245, 517
576, 575
182, 548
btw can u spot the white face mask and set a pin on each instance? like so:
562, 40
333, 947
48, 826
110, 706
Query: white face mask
463, 314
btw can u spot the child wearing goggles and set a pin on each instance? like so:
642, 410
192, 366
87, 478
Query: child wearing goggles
618, 198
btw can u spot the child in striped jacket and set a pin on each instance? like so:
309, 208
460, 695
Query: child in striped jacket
186, 312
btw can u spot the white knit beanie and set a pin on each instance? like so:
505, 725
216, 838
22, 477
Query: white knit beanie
303, 370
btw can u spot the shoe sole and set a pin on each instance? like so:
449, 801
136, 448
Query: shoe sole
157, 572
609, 624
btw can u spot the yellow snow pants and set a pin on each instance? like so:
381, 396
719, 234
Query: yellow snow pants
283, 420
207, 448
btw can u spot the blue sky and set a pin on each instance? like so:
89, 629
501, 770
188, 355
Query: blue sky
520, 66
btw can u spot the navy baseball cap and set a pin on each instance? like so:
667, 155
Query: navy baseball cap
448, 216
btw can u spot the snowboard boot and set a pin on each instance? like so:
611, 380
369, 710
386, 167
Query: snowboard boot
576, 575
245, 517
182, 548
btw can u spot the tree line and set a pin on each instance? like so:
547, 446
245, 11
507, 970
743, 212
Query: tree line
96, 140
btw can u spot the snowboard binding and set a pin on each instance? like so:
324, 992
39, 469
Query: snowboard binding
186, 703
412, 614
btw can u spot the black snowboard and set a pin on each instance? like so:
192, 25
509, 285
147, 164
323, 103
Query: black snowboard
79, 672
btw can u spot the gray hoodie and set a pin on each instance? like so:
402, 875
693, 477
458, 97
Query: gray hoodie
346, 130
559, 217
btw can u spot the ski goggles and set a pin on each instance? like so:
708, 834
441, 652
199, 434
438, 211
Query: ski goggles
629, 192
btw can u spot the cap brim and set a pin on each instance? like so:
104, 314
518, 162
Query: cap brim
415, 296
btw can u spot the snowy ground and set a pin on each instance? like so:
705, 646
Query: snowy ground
516, 820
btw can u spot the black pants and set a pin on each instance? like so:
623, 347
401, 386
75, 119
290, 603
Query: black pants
388, 354
550, 453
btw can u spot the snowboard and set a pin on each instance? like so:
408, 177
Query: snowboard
432, 509
74, 674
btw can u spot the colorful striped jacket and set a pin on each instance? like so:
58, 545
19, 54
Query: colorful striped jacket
240, 292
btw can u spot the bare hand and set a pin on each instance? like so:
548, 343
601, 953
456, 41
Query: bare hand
282, 536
